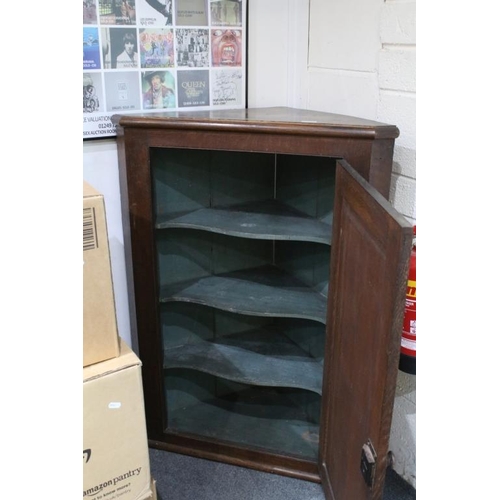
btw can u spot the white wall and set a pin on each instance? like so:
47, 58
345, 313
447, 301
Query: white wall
354, 57
100, 169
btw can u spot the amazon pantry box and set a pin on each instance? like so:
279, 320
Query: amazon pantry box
115, 445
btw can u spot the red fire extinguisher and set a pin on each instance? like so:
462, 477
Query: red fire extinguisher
408, 354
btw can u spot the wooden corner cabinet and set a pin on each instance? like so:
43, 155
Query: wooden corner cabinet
267, 277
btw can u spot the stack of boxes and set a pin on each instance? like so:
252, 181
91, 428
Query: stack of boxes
115, 446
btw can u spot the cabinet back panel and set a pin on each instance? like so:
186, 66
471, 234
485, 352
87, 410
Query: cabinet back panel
182, 323
186, 388
308, 262
186, 180
185, 254
308, 335
307, 183
241, 177
180, 179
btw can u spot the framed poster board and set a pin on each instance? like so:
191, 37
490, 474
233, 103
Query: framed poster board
151, 56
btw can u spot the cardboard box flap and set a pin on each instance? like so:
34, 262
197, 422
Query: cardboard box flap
126, 359
88, 190
147, 492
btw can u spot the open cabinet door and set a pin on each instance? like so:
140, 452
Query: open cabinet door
371, 250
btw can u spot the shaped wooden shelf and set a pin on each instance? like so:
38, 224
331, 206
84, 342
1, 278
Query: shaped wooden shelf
263, 291
265, 358
270, 219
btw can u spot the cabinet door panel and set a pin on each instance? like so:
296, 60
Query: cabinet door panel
371, 248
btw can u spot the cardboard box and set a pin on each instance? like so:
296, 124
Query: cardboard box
153, 490
115, 445
100, 331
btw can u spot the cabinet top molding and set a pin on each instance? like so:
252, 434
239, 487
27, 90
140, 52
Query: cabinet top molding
263, 120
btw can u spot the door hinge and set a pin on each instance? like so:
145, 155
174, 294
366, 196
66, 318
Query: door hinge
368, 463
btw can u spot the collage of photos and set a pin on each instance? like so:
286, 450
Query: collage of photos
153, 55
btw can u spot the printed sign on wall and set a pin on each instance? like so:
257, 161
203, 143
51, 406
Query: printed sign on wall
150, 56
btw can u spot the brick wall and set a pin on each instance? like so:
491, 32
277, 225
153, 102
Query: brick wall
397, 96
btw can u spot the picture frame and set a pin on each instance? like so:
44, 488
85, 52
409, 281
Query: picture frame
153, 56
